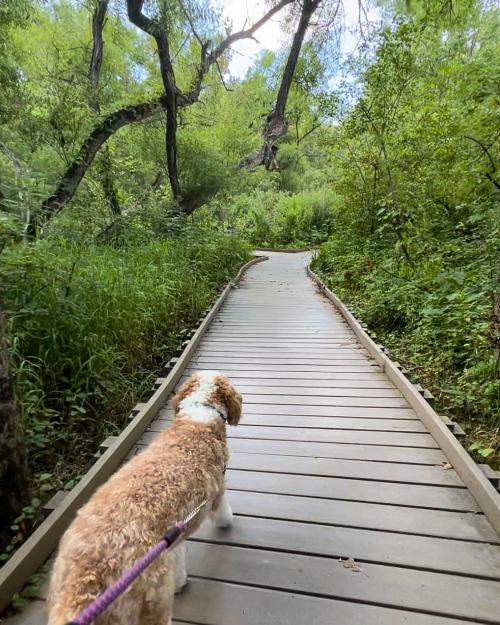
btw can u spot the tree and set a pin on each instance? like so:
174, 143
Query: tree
170, 102
276, 125
95, 65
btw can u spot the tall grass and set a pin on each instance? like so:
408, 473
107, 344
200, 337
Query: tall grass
281, 219
89, 328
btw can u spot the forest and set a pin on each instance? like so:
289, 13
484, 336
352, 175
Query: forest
138, 172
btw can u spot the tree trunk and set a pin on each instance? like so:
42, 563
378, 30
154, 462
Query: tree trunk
86, 154
170, 87
12, 451
276, 124
98, 22
155, 29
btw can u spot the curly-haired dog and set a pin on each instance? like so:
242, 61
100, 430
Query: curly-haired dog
183, 467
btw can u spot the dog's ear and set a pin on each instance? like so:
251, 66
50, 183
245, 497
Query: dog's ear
234, 404
232, 400
186, 389
174, 402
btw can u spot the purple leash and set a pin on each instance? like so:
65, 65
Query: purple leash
97, 607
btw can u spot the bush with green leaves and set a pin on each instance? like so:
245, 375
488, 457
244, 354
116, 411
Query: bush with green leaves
436, 315
272, 218
90, 327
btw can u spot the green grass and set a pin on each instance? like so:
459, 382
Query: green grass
90, 327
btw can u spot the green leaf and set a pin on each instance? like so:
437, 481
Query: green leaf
487, 451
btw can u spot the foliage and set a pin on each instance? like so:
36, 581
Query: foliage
90, 326
272, 218
417, 239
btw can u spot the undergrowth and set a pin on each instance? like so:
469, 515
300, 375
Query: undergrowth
89, 329
435, 317
271, 218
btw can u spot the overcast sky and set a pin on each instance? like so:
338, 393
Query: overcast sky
270, 36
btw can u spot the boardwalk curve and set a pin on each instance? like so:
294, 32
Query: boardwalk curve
344, 511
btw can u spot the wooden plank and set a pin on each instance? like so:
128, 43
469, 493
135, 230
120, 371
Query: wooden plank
340, 467
375, 453
244, 380
208, 602
325, 400
320, 353
316, 345
400, 439
390, 518
437, 593
304, 392
286, 312
304, 377
269, 328
295, 356
413, 495
409, 550
274, 341
243, 365
37, 548
267, 336
331, 423
471, 474
289, 315
294, 359
367, 412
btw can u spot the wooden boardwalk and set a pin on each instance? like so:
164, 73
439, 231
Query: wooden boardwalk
329, 463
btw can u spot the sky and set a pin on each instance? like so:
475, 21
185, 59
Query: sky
270, 37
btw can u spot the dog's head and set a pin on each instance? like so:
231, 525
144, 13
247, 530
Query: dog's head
212, 389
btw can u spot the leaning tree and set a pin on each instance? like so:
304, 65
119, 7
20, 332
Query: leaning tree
161, 20
157, 24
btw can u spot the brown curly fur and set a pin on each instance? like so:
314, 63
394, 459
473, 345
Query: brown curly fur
126, 516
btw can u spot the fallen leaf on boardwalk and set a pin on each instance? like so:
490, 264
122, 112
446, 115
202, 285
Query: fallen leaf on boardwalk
351, 564
446, 466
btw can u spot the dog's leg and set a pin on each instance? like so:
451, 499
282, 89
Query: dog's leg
157, 608
180, 571
222, 515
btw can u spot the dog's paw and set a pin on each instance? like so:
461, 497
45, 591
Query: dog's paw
224, 519
181, 587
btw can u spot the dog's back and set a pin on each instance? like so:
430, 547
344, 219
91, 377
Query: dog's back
128, 515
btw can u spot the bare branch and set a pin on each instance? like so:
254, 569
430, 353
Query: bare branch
208, 58
190, 22
486, 152
222, 77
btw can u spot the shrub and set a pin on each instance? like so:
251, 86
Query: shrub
89, 326
273, 218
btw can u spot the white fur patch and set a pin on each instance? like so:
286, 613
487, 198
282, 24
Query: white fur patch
223, 516
195, 405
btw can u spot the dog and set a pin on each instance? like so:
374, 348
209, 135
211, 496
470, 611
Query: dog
126, 516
